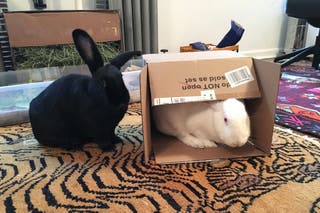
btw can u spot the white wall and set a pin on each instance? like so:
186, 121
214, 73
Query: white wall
184, 21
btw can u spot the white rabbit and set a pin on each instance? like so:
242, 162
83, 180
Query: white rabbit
203, 124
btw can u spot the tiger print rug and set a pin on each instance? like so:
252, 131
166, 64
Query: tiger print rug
34, 178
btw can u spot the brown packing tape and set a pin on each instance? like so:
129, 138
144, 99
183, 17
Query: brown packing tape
52, 27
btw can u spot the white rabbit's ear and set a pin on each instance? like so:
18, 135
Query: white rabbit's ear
87, 49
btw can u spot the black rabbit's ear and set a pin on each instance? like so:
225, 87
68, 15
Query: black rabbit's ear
122, 58
87, 49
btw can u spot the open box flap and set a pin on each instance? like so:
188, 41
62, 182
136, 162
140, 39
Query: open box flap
262, 110
202, 80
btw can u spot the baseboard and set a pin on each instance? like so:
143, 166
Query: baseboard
262, 54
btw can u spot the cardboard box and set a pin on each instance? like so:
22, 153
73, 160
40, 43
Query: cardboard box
175, 78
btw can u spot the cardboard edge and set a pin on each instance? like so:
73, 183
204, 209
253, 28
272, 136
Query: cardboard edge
187, 56
263, 109
145, 113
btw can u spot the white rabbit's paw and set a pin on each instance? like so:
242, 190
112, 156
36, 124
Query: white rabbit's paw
203, 143
190, 140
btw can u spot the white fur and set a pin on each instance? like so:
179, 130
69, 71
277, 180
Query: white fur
202, 124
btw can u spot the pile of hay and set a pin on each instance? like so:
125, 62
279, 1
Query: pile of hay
58, 55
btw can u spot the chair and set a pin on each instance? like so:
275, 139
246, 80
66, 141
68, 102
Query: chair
45, 28
308, 10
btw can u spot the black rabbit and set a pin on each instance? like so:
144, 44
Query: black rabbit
76, 109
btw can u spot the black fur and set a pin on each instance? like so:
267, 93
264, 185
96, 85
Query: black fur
76, 109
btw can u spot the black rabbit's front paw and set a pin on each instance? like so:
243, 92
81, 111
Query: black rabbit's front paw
73, 148
106, 146
116, 139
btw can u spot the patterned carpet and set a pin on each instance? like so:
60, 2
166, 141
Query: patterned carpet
34, 178
298, 104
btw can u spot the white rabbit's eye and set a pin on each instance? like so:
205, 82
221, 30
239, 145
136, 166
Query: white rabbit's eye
226, 120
